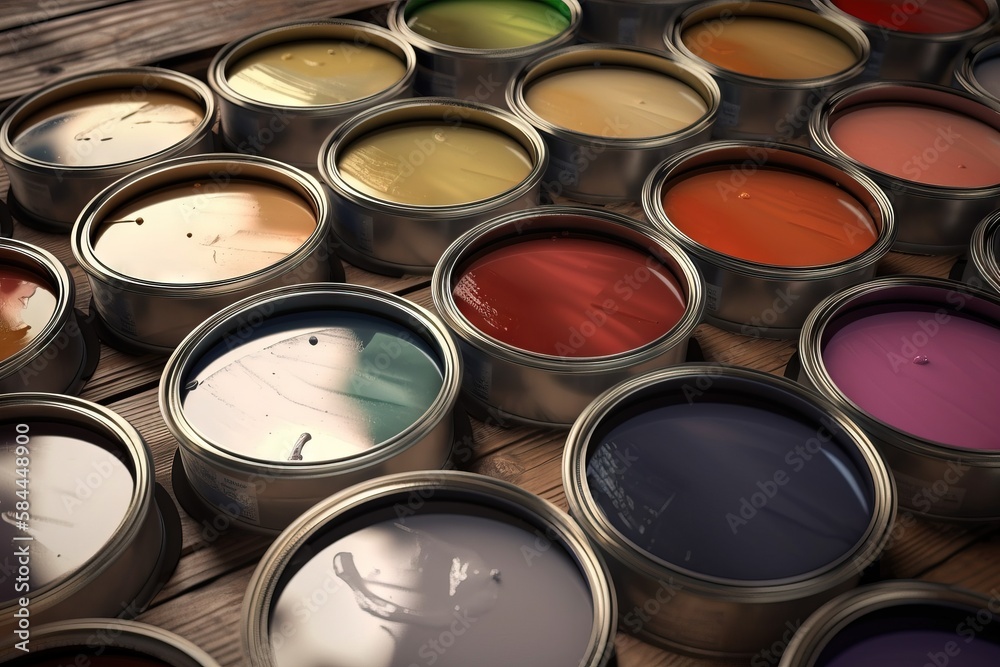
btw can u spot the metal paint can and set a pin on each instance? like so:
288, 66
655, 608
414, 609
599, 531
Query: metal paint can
754, 298
48, 346
109, 538
710, 456
755, 107
402, 235
363, 381
290, 132
51, 184
477, 75
549, 389
611, 167
153, 315
947, 475
517, 558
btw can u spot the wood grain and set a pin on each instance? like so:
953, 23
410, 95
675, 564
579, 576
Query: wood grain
140, 32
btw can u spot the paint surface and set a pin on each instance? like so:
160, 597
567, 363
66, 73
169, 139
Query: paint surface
569, 297
350, 381
769, 48
395, 586
921, 143
925, 16
107, 127
434, 164
774, 216
623, 102
198, 232
931, 374
314, 73
987, 73
27, 304
79, 494
487, 24
909, 647
728, 490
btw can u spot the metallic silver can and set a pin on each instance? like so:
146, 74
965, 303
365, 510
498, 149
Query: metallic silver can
154, 316
761, 108
968, 75
934, 479
680, 603
762, 300
521, 386
610, 168
83, 639
49, 192
263, 494
915, 56
938, 219
291, 133
542, 537
60, 353
475, 75
386, 236
629, 22
100, 469
861, 616
982, 268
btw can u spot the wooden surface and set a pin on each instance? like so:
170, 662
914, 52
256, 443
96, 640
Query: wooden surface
47, 39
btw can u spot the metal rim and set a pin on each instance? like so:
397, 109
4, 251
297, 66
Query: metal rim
397, 23
982, 29
845, 31
448, 111
965, 72
595, 524
100, 420
983, 250
452, 485
340, 29
288, 299
39, 261
91, 633
182, 169
106, 80
824, 624
779, 155
948, 99
618, 55
611, 226
811, 359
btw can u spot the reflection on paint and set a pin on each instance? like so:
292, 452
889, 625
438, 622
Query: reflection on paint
622, 102
314, 73
312, 387
769, 48
199, 232
930, 373
108, 127
921, 143
570, 297
487, 24
386, 594
434, 164
27, 304
775, 217
79, 495
729, 490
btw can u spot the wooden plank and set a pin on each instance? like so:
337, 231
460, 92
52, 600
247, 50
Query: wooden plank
27, 16
142, 32
976, 566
